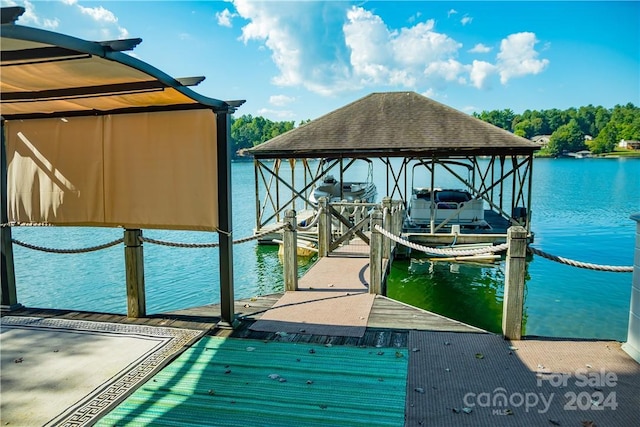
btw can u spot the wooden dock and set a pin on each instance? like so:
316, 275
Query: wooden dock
448, 361
388, 325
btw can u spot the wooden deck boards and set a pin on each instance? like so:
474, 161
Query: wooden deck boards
389, 322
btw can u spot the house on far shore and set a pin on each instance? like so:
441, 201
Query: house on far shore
543, 140
629, 145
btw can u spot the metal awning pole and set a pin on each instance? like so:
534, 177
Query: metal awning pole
225, 234
7, 272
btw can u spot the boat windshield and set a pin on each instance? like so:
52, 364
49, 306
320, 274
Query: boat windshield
453, 196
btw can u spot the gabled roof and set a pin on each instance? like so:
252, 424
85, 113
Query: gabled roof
47, 74
394, 124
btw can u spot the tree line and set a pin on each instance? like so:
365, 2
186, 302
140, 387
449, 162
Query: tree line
248, 131
597, 129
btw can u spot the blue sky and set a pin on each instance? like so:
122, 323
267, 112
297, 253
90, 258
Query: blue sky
299, 60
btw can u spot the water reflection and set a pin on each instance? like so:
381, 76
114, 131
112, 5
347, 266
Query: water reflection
470, 293
269, 272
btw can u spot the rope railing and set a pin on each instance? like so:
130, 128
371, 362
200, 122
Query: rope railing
441, 251
313, 222
178, 244
397, 239
211, 245
498, 248
144, 239
67, 251
579, 264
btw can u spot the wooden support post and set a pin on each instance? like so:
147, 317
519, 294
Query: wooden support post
134, 271
513, 301
387, 221
324, 228
290, 255
8, 295
375, 255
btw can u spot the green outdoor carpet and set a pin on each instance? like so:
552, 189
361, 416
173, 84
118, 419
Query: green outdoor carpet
237, 382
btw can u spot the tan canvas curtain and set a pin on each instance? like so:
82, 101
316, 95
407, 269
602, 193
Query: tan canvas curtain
144, 170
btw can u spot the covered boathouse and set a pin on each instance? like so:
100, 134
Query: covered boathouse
421, 145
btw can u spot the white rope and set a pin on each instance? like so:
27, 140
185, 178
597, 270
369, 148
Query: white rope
579, 264
444, 252
498, 248
313, 222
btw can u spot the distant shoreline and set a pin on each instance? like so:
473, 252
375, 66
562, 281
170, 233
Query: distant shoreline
593, 156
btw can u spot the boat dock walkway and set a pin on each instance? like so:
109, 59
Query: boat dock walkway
456, 375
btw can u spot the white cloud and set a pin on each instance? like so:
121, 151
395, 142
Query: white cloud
420, 44
517, 57
429, 93
397, 58
367, 37
304, 40
451, 12
277, 114
480, 48
280, 100
466, 20
30, 17
225, 17
333, 47
99, 14
105, 18
415, 17
479, 73
449, 70
267, 26
50, 24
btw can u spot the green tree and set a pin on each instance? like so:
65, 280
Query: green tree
248, 131
567, 138
606, 140
606, 126
525, 129
500, 118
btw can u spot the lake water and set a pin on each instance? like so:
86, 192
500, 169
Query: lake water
580, 210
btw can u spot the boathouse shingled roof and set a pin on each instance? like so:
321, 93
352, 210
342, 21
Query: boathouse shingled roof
394, 124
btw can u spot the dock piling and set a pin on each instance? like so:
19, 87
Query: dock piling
290, 255
512, 305
134, 271
387, 221
375, 255
324, 228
